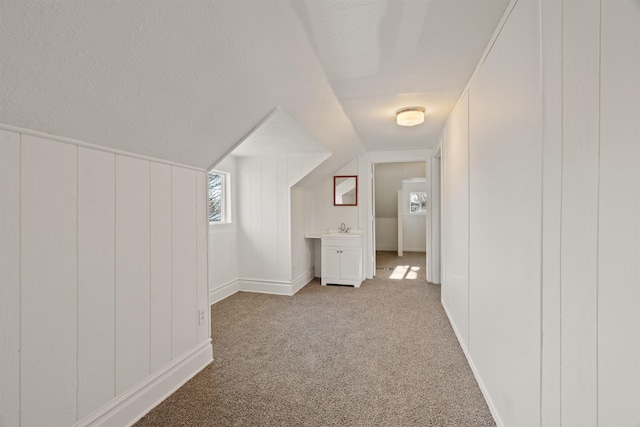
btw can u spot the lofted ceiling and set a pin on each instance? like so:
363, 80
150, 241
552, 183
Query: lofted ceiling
382, 55
188, 80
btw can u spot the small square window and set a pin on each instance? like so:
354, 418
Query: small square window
418, 202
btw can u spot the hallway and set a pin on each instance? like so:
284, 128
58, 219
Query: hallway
383, 354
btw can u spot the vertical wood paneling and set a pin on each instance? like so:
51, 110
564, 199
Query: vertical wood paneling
48, 307
132, 272
183, 231
9, 278
254, 202
619, 219
96, 279
283, 218
217, 272
202, 224
505, 196
244, 212
269, 219
551, 208
455, 289
581, 22
160, 262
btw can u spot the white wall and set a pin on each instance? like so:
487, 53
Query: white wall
103, 277
414, 229
264, 219
326, 214
302, 250
455, 238
504, 218
223, 242
552, 157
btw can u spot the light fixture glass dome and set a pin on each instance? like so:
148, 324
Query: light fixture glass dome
410, 116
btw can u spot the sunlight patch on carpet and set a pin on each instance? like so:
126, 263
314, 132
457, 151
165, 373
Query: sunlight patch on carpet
402, 272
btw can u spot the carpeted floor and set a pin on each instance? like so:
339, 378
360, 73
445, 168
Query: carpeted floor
380, 355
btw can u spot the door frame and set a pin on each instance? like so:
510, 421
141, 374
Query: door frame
365, 205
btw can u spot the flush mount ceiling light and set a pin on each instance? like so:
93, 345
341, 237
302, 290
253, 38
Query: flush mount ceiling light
410, 116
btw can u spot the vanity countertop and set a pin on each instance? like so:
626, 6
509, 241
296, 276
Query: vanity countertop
333, 232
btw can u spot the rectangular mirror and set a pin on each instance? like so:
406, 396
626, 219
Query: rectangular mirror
345, 190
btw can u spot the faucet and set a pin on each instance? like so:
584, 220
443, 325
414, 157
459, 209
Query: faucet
343, 228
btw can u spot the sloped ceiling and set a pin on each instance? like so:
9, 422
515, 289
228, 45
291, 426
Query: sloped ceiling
187, 80
277, 135
383, 55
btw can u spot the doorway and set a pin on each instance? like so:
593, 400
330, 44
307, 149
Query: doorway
399, 214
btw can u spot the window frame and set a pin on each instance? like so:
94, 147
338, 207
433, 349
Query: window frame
426, 203
225, 199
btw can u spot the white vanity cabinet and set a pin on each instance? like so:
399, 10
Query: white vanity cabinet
342, 259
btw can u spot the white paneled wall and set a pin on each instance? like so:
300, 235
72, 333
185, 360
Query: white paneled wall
579, 257
48, 282
619, 216
553, 216
184, 261
223, 242
104, 271
264, 216
302, 223
504, 218
132, 271
96, 278
160, 261
9, 278
455, 161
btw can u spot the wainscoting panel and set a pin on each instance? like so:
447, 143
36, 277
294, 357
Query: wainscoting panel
132, 271
202, 237
86, 260
268, 217
96, 279
48, 256
160, 261
184, 276
10, 277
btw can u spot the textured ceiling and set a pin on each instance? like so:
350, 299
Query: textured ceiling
382, 55
187, 80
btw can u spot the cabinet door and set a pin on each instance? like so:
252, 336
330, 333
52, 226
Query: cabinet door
330, 262
350, 263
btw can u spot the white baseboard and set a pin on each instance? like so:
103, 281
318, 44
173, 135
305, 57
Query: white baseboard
265, 286
261, 286
414, 250
302, 280
276, 287
223, 291
476, 374
133, 404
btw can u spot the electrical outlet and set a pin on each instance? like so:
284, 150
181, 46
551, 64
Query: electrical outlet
201, 317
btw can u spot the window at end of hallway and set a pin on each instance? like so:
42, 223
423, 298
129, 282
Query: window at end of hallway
418, 202
218, 197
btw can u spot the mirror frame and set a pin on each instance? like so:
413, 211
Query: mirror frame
335, 179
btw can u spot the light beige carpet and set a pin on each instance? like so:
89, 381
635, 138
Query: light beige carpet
380, 355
